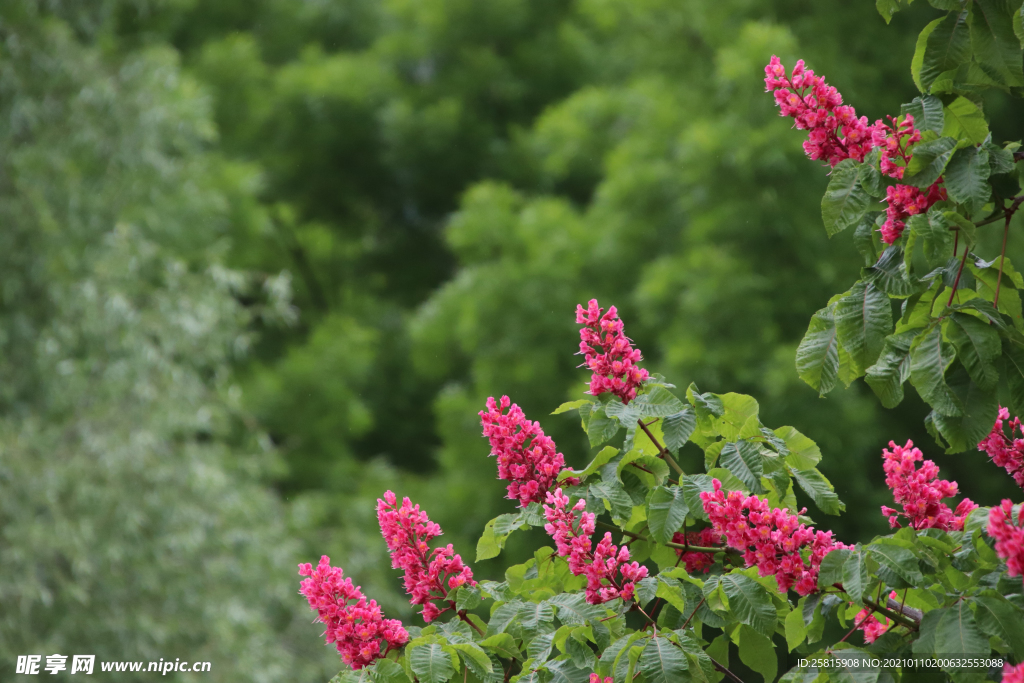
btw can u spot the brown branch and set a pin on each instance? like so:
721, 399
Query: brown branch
725, 671
1009, 211
902, 615
462, 615
956, 283
661, 449
678, 546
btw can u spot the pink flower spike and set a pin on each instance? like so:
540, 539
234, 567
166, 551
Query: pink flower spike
1006, 452
1011, 673
526, 457
1009, 536
609, 572
609, 353
919, 491
357, 628
770, 538
429, 574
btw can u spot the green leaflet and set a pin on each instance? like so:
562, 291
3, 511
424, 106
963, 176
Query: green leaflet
757, 652
863, 319
815, 485
678, 428
662, 661
996, 48
496, 532
846, 200
966, 178
666, 512
750, 602
964, 121
744, 460
978, 347
957, 632
892, 369
997, 616
930, 355
431, 663
817, 356
943, 45
927, 113
929, 161
571, 405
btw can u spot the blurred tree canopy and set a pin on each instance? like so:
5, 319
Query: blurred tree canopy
296, 244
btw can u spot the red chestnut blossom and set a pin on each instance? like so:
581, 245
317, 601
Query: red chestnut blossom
595, 678
769, 538
532, 468
356, 627
919, 492
1005, 452
895, 139
1009, 535
697, 562
818, 108
572, 540
1011, 673
905, 201
873, 627
609, 353
429, 574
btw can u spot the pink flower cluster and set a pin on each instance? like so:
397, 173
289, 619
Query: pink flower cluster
609, 572
609, 353
772, 539
532, 468
818, 108
1009, 535
1011, 673
697, 562
919, 492
595, 678
356, 627
872, 627
429, 574
1006, 452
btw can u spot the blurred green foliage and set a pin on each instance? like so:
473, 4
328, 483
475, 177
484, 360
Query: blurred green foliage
343, 224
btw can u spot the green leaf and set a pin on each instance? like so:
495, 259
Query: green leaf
601, 427
503, 645
845, 200
892, 369
963, 432
943, 45
678, 428
831, 569
744, 459
693, 485
857, 573
571, 405
887, 8
889, 274
1018, 25
750, 602
662, 662
897, 559
966, 178
496, 532
997, 616
671, 592
757, 652
957, 633
796, 629
604, 456
865, 238
565, 671
927, 113
503, 617
657, 401
863, 319
573, 609
964, 121
475, 657
627, 415
820, 490
666, 513
935, 233
929, 358
996, 48
978, 347
817, 356
431, 663
929, 161
803, 452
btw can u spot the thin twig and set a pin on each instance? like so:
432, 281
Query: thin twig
1007, 211
661, 449
725, 671
687, 622
956, 283
679, 546
1002, 259
465, 618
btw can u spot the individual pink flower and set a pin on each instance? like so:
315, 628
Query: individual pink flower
834, 130
357, 628
697, 562
429, 574
919, 491
872, 626
771, 539
526, 457
1006, 529
895, 139
904, 201
1011, 673
609, 353
609, 572
595, 678
1007, 453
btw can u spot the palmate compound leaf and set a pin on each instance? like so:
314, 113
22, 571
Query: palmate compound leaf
892, 369
863, 319
817, 356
